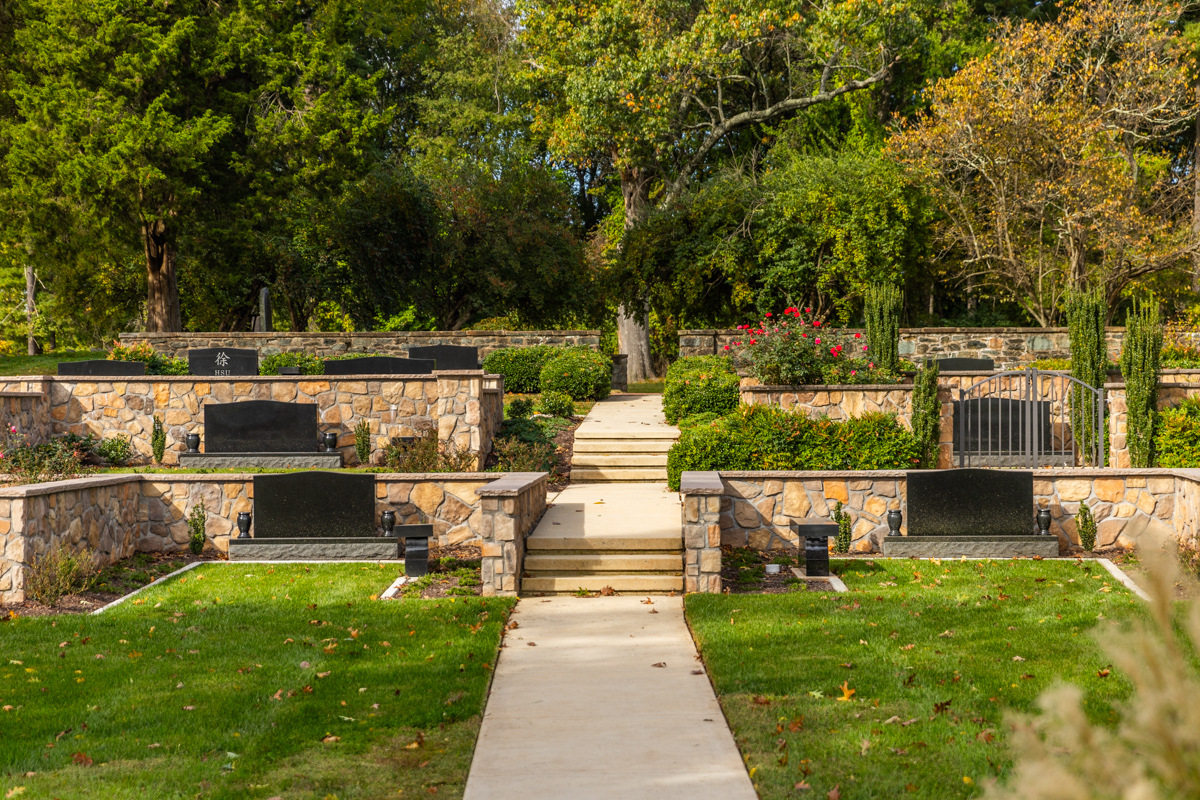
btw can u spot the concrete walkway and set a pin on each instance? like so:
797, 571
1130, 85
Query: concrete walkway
623, 438
578, 709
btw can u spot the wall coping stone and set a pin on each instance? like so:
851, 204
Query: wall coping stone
22, 394
75, 484
512, 484
96, 481
695, 482
891, 474
713, 331
477, 373
829, 387
248, 335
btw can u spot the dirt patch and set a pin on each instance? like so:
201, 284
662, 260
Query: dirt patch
453, 572
744, 571
564, 448
114, 581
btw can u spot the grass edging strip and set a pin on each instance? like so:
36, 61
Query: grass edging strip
154, 582
1125, 580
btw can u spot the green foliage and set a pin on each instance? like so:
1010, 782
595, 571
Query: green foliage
927, 413
797, 349
844, 533
57, 573
156, 362
1177, 440
695, 420
158, 440
1178, 355
309, 365
1085, 526
58, 459
700, 384
362, 442
883, 302
556, 404
1141, 367
197, 523
425, 454
583, 374
116, 450
520, 366
519, 408
1087, 311
528, 445
769, 438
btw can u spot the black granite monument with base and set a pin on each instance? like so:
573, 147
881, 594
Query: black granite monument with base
102, 368
966, 365
261, 433
223, 361
971, 512
379, 365
319, 516
448, 356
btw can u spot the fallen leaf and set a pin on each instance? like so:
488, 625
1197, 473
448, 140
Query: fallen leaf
987, 736
532, 644
647, 602
607, 591
835, 793
1018, 658
847, 692
1103, 673
802, 786
946, 634
420, 740
331, 739
1027, 677
152, 746
278, 695
941, 708
761, 700
847, 665
910, 787
891, 719
304, 665
13, 792
908, 647
864, 746
697, 672
82, 759
659, 664
324, 674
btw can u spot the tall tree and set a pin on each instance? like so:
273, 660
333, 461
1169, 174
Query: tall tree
659, 88
1054, 157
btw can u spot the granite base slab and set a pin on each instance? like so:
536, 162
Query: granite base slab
261, 460
315, 549
973, 546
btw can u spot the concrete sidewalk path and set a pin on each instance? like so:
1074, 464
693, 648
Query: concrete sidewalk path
578, 709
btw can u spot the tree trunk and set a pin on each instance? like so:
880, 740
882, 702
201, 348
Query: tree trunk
34, 348
633, 323
162, 295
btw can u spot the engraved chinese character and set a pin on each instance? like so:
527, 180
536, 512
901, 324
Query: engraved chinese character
222, 359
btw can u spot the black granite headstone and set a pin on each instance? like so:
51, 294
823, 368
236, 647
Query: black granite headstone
309, 505
966, 365
448, 356
223, 361
260, 426
813, 540
1001, 425
102, 367
965, 502
379, 365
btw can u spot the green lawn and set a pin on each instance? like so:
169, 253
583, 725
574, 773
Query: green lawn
934, 653
250, 681
46, 364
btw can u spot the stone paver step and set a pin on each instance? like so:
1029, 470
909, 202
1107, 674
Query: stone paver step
628, 433
539, 563
617, 474
623, 445
604, 543
619, 460
628, 582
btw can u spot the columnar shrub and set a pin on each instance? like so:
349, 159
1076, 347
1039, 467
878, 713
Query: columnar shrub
698, 385
583, 374
1140, 365
362, 441
158, 439
1086, 313
520, 366
927, 413
844, 533
197, 523
1085, 526
769, 438
883, 302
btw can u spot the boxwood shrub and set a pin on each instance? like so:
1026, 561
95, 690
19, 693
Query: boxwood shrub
700, 384
1177, 441
308, 364
769, 438
581, 373
520, 366
156, 362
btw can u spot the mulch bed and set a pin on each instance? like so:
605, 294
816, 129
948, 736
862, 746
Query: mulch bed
743, 571
125, 576
453, 572
564, 443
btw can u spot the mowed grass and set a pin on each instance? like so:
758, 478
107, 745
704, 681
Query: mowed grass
249, 681
44, 364
931, 654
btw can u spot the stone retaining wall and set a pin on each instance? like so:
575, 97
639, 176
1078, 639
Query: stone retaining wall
458, 404
1008, 347
756, 509
394, 343
28, 412
116, 515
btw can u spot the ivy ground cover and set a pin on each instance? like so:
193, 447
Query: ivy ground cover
900, 687
249, 681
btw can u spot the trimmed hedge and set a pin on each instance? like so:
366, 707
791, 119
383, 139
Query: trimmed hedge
698, 385
769, 438
1177, 441
582, 374
521, 366
308, 364
156, 362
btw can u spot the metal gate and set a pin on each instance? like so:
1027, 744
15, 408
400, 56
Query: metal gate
1028, 419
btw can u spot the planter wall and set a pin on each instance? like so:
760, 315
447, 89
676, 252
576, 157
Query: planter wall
756, 509
395, 343
117, 515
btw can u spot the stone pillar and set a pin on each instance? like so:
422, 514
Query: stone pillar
511, 508
702, 492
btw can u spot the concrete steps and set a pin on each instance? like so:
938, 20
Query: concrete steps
623, 439
632, 583
584, 474
600, 562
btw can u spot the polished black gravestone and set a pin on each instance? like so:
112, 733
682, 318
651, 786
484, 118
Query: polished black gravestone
1001, 426
970, 512
966, 365
448, 356
812, 537
379, 365
102, 368
314, 515
261, 433
220, 362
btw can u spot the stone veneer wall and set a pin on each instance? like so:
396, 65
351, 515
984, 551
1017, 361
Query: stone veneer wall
116, 515
460, 405
395, 343
1008, 347
756, 509
512, 507
28, 412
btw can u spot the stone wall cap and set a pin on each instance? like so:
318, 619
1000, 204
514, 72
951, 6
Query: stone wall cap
830, 387
934, 331
892, 474
512, 484
22, 394
695, 482
238, 378
252, 335
75, 484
